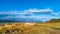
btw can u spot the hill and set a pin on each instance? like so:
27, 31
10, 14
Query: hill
54, 20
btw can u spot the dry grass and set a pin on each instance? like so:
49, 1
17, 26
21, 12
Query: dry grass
30, 28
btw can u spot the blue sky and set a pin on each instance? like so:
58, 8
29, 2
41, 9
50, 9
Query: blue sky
29, 10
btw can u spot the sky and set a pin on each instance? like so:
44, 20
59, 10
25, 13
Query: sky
29, 10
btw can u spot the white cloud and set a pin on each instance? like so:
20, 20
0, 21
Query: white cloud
31, 13
27, 11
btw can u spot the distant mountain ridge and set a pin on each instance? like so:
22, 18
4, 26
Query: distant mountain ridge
30, 20
54, 20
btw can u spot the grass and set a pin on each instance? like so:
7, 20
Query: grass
30, 28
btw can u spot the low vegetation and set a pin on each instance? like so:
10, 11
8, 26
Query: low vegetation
30, 28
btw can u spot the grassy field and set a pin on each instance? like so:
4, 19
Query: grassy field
30, 28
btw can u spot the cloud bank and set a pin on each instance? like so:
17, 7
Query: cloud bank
30, 15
